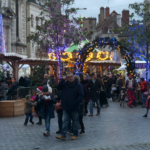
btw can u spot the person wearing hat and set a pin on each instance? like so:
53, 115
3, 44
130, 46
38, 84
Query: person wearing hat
46, 102
28, 109
131, 88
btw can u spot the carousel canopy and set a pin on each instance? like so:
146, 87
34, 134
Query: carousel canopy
74, 47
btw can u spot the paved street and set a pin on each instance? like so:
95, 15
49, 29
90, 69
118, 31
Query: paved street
116, 129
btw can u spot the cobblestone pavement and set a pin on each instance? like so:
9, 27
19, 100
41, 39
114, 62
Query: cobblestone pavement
115, 129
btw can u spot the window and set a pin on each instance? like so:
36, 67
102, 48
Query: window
37, 21
32, 21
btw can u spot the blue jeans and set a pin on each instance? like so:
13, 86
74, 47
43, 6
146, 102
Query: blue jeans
91, 107
27, 117
9, 97
47, 122
67, 116
144, 98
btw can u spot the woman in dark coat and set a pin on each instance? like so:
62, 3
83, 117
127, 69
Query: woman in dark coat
84, 82
47, 101
22, 84
102, 95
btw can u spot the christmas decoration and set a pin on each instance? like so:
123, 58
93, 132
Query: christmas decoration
131, 68
2, 40
85, 54
38, 74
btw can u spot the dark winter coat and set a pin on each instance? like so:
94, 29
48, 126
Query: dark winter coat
85, 84
49, 106
133, 84
22, 82
72, 94
94, 89
106, 82
38, 106
120, 83
122, 98
52, 82
58, 99
44, 82
2, 89
28, 82
13, 88
81, 110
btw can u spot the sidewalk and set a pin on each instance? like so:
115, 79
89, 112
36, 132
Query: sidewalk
115, 129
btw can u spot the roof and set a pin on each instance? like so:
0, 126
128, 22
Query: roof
105, 63
37, 59
76, 47
15, 55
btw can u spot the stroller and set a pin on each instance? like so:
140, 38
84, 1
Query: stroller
115, 92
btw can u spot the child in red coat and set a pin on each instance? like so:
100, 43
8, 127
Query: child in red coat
147, 105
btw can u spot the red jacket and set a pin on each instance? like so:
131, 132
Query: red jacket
144, 85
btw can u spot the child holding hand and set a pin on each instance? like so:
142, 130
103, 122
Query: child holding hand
147, 105
28, 109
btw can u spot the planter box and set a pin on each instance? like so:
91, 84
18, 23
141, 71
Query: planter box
11, 108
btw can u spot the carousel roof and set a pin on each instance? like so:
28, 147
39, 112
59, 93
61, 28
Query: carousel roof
75, 47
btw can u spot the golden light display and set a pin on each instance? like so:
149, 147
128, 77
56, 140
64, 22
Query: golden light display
52, 56
90, 57
69, 56
100, 53
112, 55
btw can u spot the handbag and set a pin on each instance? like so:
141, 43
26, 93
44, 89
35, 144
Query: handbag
145, 93
58, 106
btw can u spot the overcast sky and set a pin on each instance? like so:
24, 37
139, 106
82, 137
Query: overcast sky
93, 6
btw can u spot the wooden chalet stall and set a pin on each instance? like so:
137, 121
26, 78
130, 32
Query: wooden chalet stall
16, 107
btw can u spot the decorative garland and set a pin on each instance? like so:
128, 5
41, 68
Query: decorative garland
131, 67
89, 47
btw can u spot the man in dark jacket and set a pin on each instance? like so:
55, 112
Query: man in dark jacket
13, 89
94, 87
71, 97
44, 82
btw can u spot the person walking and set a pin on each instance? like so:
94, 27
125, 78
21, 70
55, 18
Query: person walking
28, 109
46, 102
38, 106
147, 106
102, 95
12, 90
131, 89
59, 111
84, 82
144, 91
94, 91
71, 97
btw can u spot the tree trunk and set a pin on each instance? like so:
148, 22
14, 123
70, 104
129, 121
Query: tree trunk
59, 65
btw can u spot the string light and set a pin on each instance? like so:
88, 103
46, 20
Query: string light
2, 40
69, 56
100, 53
52, 56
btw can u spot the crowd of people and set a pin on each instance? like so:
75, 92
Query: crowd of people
74, 95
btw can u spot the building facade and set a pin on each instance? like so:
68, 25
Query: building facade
14, 22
